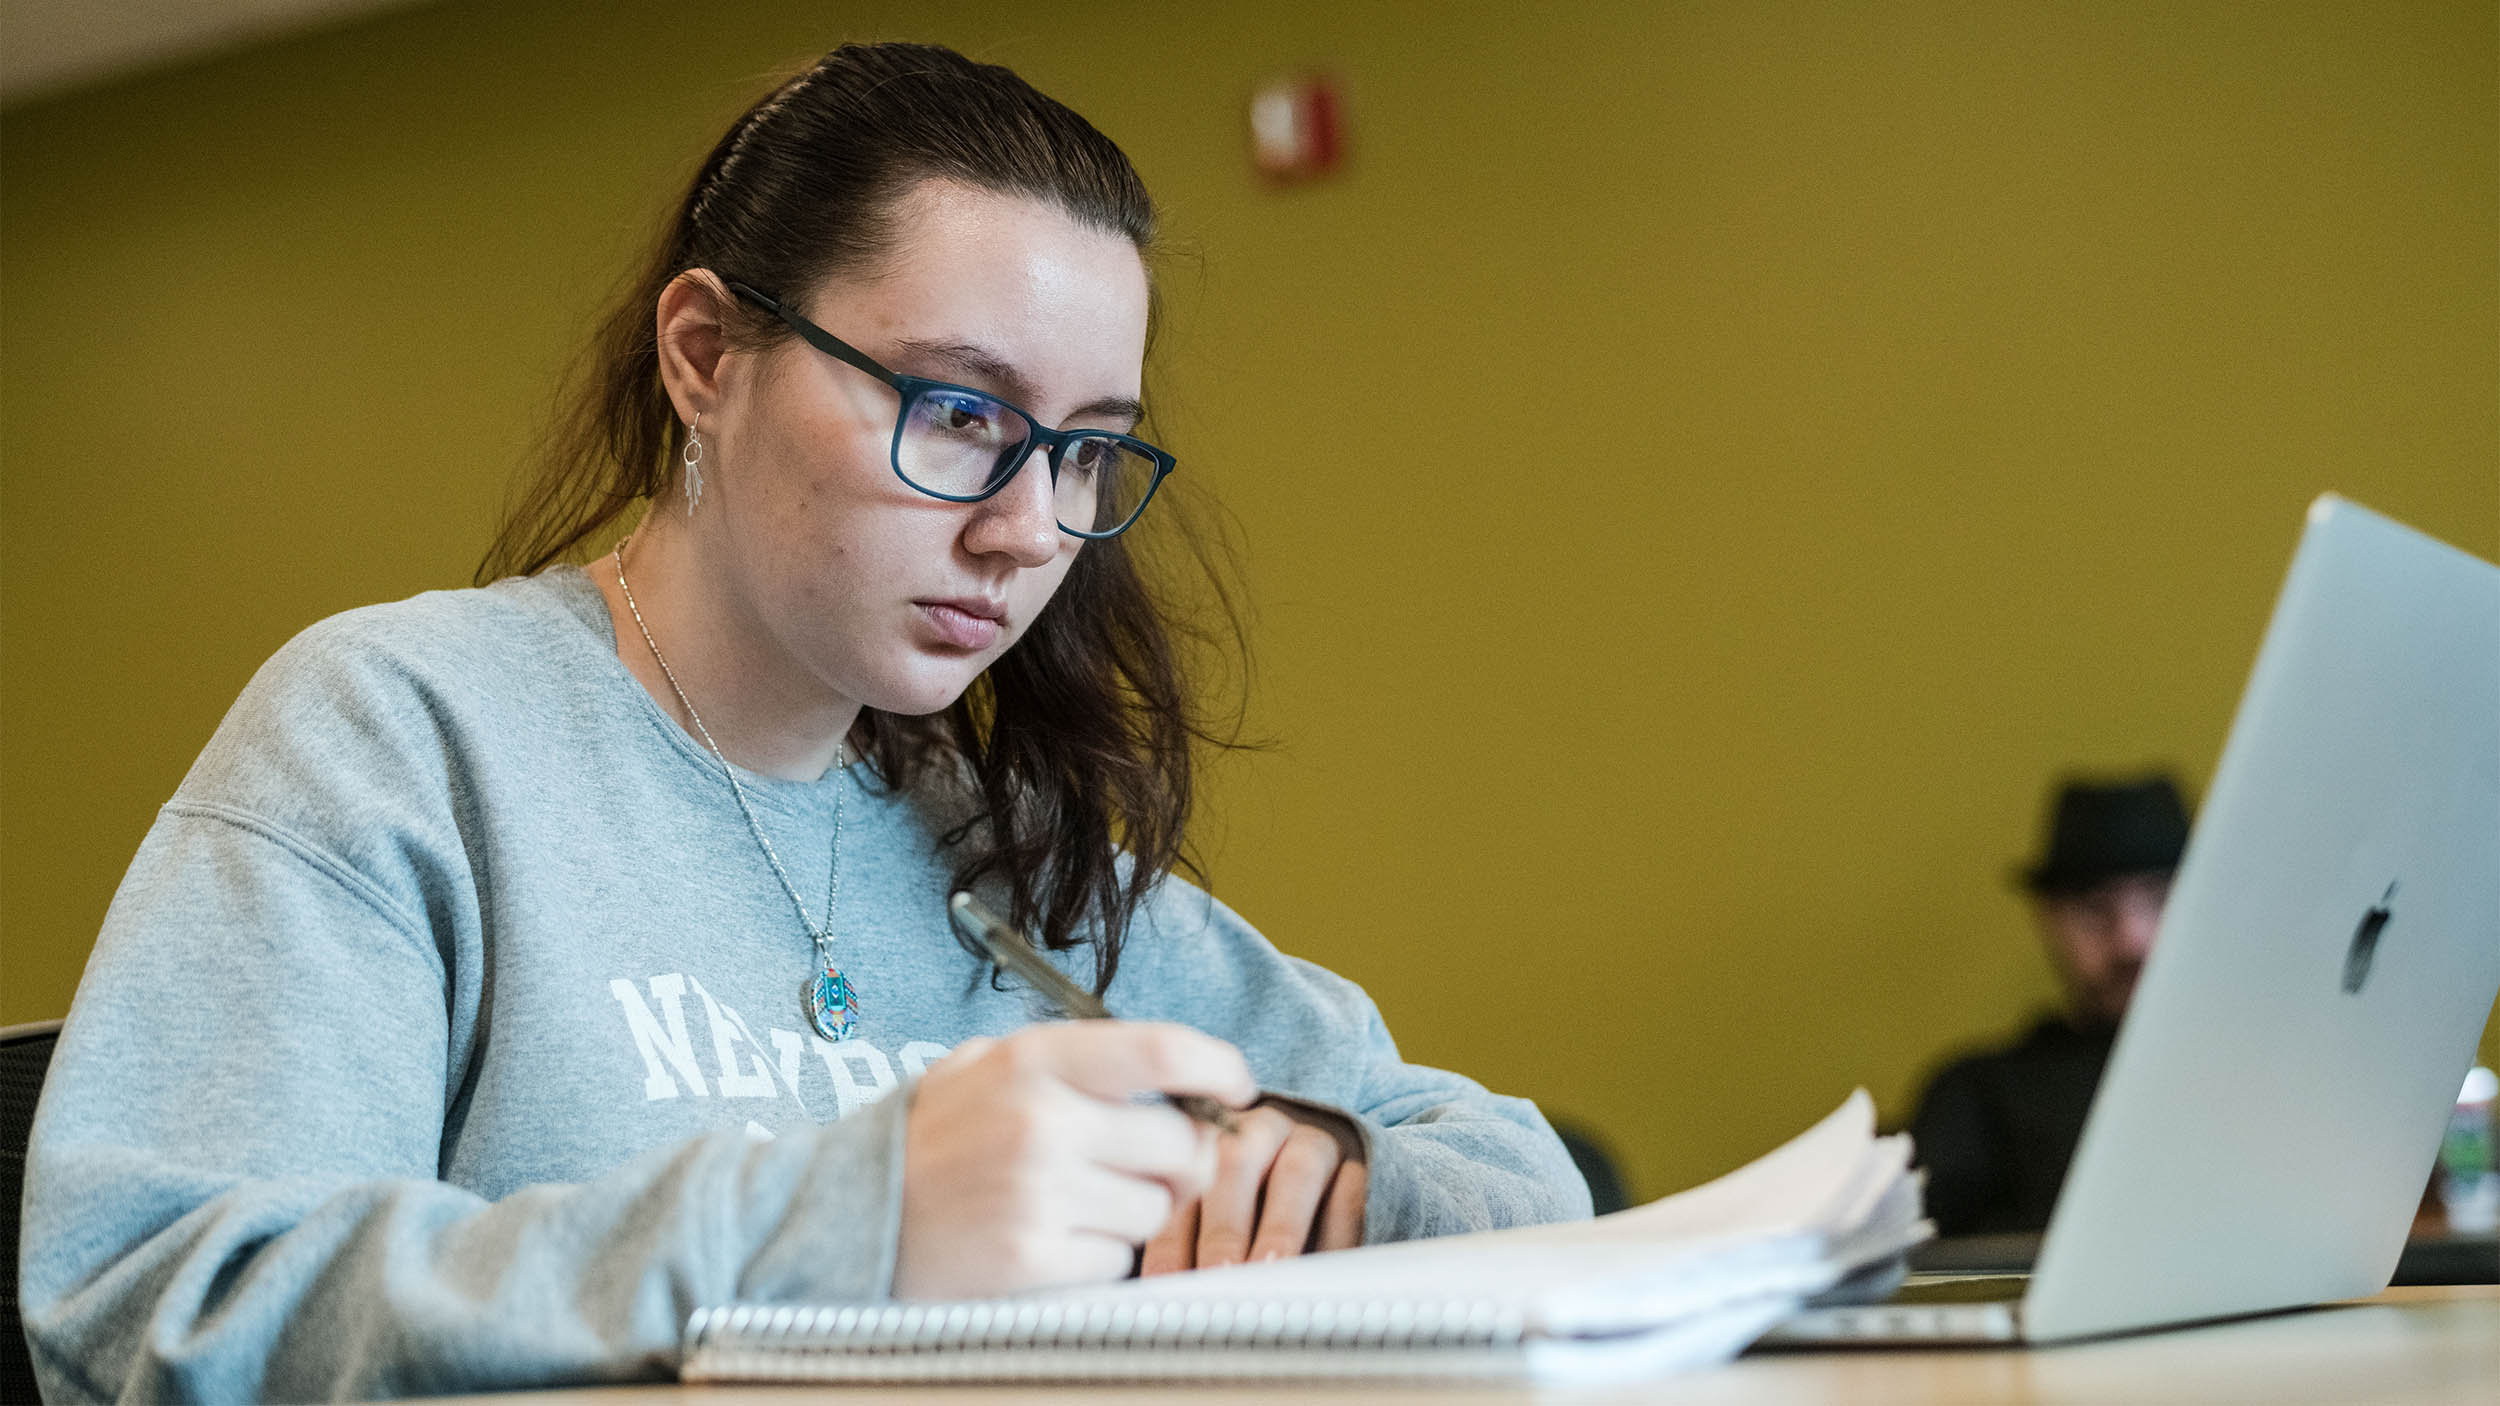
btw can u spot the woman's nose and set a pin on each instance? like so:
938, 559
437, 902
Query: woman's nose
1019, 521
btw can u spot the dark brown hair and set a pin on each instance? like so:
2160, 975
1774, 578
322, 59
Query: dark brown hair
1076, 746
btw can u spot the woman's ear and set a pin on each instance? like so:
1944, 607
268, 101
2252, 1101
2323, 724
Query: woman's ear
692, 341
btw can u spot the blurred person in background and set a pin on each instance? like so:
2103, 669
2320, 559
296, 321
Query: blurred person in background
1996, 1129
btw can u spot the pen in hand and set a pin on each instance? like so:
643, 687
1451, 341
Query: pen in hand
1011, 950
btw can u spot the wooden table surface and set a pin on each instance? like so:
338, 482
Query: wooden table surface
2406, 1346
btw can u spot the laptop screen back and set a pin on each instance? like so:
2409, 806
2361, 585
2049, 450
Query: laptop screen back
2327, 960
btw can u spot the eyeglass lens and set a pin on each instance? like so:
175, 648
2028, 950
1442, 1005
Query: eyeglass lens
961, 444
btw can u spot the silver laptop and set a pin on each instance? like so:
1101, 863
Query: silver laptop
2330, 952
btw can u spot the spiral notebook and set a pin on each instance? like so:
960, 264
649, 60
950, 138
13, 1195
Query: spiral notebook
1678, 1283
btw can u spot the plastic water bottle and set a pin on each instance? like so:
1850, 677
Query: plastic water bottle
2469, 1184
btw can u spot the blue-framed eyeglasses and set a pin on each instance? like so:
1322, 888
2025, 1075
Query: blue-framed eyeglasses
963, 445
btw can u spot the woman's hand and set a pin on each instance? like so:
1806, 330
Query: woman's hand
1025, 1164
1280, 1186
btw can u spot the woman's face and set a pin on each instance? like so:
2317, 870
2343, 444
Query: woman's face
866, 587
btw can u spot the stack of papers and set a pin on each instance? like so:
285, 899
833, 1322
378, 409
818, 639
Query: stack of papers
1678, 1283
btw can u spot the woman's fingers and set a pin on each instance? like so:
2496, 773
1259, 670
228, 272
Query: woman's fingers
1031, 1157
1025, 1156
1175, 1246
1073, 1258
1341, 1216
1336, 1225
1128, 1209
1117, 1059
1304, 1169
1228, 1213
1153, 1140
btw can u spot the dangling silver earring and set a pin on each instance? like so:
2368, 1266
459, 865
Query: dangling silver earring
694, 464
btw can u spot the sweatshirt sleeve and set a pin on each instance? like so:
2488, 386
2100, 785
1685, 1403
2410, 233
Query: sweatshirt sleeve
1446, 1154
232, 1188
237, 1184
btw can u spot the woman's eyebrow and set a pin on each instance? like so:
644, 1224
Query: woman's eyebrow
976, 361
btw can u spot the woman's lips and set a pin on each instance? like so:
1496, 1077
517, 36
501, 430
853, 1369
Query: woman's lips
963, 624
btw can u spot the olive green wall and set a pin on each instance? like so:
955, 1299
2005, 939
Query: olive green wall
1704, 468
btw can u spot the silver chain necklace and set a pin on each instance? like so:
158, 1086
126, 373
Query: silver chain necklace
832, 1005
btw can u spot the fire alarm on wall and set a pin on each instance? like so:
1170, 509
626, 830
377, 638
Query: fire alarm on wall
1297, 127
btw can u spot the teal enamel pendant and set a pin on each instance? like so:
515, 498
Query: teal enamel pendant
832, 1006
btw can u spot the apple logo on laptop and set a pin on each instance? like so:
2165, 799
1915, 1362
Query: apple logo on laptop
2365, 941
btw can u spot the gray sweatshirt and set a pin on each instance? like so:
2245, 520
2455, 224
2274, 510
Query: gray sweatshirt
447, 1034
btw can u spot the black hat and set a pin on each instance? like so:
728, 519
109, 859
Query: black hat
2100, 831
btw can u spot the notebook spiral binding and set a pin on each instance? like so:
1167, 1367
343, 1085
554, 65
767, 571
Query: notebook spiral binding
1044, 1338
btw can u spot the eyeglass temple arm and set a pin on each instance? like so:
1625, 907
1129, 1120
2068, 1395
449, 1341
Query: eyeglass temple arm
814, 335
1044, 437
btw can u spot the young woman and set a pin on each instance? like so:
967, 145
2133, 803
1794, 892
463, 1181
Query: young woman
520, 968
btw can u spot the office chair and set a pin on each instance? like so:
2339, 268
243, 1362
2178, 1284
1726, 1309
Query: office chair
25, 1052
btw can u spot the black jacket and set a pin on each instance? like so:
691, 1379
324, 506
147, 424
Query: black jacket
1995, 1131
